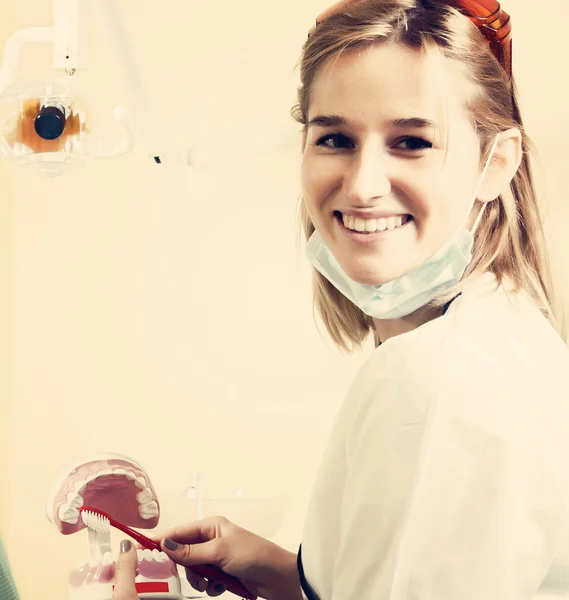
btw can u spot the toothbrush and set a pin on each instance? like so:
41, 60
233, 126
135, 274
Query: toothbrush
100, 521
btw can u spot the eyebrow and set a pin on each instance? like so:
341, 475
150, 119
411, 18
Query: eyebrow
336, 120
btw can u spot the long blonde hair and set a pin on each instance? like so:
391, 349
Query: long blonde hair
510, 239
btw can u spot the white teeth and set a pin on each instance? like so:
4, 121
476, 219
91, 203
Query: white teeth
80, 486
108, 559
144, 496
156, 554
147, 554
148, 510
163, 556
68, 514
74, 500
139, 554
372, 225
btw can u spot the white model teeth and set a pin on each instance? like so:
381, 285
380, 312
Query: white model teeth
148, 510
372, 225
146, 554
144, 496
74, 500
79, 487
68, 514
108, 559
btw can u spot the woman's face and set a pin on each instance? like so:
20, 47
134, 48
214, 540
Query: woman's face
374, 159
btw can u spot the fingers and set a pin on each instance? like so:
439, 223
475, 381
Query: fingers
207, 553
216, 588
212, 588
125, 572
196, 532
196, 581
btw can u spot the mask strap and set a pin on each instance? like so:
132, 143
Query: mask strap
481, 211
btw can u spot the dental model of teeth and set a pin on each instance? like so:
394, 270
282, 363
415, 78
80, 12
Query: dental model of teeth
157, 577
120, 487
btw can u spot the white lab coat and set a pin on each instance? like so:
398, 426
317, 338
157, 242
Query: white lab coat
446, 476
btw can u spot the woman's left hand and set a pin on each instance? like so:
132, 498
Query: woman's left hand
126, 572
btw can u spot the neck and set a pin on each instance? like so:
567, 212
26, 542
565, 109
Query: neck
388, 328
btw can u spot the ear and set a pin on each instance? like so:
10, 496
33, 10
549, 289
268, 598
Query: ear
503, 165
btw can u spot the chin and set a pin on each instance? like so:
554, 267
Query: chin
376, 277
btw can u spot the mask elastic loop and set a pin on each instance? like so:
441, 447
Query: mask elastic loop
481, 211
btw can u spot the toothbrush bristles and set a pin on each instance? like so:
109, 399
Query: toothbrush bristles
95, 521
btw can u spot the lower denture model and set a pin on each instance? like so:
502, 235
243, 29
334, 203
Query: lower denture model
120, 487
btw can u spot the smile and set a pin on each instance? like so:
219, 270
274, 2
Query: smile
373, 225
367, 231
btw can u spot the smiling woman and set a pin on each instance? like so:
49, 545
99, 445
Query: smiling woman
444, 476
424, 229
405, 129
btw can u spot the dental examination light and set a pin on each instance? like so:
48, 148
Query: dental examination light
49, 126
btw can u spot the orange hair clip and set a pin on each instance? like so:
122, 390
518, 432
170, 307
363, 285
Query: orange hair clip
493, 22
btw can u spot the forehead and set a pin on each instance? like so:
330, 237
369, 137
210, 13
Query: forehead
388, 81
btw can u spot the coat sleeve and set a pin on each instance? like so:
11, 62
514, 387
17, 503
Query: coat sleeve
7, 586
440, 507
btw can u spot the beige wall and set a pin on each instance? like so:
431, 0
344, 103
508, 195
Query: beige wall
165, 313
7, 24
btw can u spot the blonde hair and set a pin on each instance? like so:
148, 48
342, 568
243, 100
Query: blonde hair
509, 240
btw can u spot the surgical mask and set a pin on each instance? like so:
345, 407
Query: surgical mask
413, 290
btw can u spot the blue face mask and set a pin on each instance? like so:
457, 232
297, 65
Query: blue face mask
411, 291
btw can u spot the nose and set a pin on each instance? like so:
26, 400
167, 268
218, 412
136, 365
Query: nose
367, 177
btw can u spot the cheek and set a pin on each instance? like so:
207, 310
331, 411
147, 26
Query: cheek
318, 178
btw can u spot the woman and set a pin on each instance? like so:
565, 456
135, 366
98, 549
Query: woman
444, 477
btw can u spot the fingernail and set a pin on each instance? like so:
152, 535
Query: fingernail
125, 546
219, 588
170, 544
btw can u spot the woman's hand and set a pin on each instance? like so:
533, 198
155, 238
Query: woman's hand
267, 570
126, 572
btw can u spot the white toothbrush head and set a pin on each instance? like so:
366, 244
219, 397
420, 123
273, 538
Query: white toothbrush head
97, 522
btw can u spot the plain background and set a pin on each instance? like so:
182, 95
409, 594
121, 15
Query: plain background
165, 312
